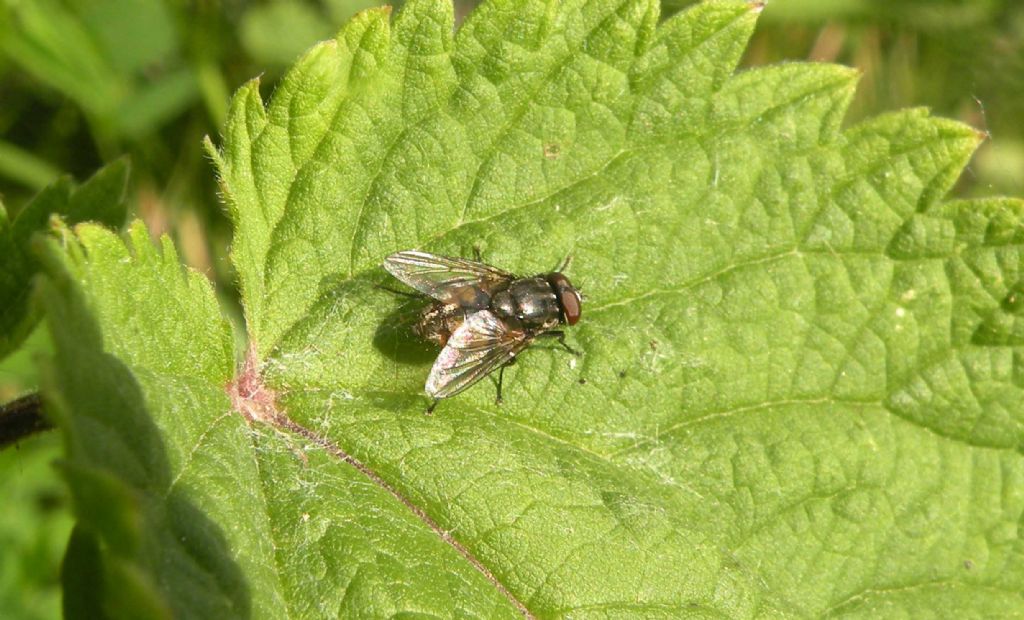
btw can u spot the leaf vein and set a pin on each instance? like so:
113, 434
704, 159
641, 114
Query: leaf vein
333, 449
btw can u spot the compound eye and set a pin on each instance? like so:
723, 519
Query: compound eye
570, 305
568, 297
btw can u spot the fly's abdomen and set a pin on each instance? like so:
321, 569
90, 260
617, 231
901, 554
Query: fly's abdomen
438, 322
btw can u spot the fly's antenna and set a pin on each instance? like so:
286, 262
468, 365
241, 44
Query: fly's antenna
565, 264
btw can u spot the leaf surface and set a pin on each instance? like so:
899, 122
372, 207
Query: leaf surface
799, 393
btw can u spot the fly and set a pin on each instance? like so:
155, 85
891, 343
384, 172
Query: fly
482, 317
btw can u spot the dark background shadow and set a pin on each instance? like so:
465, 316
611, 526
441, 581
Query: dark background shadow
394, 336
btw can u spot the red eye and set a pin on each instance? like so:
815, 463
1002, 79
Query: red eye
570, 305
568, 298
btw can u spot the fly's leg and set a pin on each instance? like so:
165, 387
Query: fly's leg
476, 254
561, 340
501, 377
430, 409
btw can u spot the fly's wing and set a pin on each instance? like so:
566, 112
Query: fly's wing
465, 283
480, 345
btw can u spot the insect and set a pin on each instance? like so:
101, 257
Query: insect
482, 316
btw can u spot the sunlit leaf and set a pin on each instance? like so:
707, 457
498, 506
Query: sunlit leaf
799, 392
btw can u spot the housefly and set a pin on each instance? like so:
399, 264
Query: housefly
482, 317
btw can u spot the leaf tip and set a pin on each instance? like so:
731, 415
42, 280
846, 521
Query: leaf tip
120, 169
249, 92
212, 152
46, 246
851, 75
251, 89
209, 146
371, 15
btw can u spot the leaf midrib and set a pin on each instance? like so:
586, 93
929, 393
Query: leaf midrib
337, 452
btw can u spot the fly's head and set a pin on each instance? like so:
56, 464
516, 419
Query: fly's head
570, 303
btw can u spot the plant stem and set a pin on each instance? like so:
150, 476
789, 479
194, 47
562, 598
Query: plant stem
21, 418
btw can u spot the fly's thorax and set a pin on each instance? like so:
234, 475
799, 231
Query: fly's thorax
503, 305
530, 301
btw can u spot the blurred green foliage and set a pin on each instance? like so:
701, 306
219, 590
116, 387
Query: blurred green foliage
33, 537
964, 59
85, 81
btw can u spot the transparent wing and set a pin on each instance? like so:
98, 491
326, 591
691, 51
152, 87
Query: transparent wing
480, 345
465, 283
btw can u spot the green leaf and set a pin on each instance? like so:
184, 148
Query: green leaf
101, 199
83, 584
799, 393
182, 493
